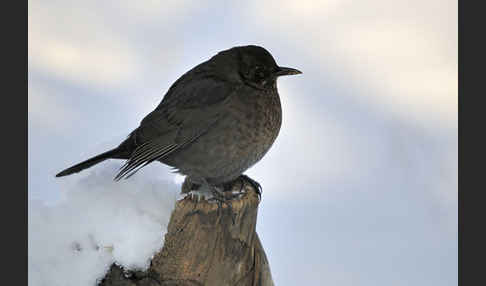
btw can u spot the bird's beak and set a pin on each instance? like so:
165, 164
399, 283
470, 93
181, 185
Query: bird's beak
286, 71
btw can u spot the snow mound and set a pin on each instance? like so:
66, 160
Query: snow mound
98, 222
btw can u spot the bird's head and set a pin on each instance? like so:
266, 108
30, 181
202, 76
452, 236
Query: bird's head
256, 66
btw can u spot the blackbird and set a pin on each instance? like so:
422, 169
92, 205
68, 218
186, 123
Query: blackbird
214, 122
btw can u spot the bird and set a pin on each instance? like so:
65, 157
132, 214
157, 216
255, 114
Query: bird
216, 121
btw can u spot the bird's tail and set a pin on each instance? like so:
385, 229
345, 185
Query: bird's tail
114, 153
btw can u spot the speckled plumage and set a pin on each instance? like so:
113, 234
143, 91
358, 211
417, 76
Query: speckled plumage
240, 139
214, 122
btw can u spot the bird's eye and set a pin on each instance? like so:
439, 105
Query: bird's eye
259, 72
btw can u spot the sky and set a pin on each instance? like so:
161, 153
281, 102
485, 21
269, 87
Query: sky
360, 187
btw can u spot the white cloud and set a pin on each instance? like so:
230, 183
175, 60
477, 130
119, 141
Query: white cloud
405, 51
96, 42
406, 65
79, 46
105, 62
45, 108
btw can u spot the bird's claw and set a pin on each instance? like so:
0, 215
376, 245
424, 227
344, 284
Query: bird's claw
253, 183
226, 195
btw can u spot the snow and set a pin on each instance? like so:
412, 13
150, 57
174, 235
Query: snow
98, 222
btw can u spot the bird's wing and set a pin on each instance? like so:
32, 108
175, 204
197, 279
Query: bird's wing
193, 107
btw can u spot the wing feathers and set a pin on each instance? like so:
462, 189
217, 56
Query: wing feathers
187, 112
142, 156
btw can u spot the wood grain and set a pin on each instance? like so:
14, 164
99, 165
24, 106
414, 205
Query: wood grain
206, 245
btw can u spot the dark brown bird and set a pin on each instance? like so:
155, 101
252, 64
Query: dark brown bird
215, 121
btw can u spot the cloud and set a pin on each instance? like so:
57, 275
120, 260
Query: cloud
406, 56
341, 145
97, 43
406, 65
76, 45
42, 107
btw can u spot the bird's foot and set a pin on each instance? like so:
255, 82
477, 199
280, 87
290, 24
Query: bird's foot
188, 186
253, 183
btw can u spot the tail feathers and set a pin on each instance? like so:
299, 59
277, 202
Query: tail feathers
90, 162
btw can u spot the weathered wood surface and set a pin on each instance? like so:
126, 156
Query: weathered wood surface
205, 245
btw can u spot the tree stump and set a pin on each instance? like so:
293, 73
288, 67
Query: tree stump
206, 245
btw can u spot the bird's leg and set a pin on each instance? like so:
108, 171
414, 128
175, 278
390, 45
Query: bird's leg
188, 186
229, 189
253, 183
218, 195
220, 198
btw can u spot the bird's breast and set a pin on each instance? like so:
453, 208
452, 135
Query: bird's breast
258, 118
241, 138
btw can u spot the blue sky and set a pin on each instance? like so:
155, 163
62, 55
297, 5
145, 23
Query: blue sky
360, 187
